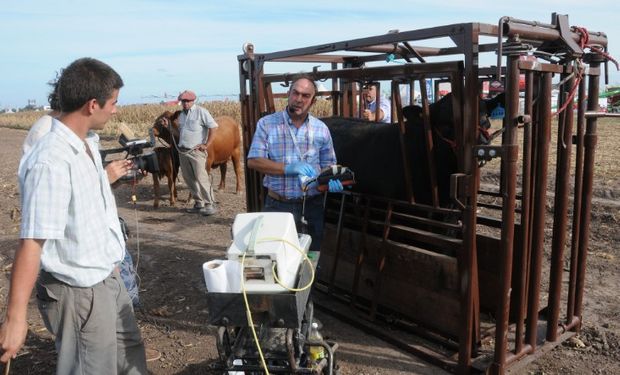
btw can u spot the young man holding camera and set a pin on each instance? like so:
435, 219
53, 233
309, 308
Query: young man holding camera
70, 230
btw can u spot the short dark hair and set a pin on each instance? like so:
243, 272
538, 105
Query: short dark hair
52, 98
86, 79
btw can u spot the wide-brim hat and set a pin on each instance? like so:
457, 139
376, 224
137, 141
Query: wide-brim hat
187, 95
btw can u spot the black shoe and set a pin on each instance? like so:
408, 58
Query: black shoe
194, 210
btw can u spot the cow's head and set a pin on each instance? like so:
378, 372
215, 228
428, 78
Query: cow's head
442, 115
166, 132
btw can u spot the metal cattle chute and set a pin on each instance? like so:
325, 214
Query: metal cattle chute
466, 278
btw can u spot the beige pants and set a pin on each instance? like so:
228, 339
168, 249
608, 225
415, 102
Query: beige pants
193, 168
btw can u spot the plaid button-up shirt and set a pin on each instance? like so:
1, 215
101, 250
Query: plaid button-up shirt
273, 140
67, 201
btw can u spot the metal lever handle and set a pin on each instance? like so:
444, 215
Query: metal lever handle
454, 189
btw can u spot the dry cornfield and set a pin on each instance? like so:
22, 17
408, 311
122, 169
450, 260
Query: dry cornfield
139, 118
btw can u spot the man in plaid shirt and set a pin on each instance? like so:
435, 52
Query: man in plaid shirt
290, 147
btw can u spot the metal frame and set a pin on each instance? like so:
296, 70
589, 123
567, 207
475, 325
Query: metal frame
480, 273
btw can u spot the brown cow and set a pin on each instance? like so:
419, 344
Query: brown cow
225, 146
167, 157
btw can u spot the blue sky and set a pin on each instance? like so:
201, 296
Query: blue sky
163, 47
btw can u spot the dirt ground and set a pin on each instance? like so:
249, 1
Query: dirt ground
170, 246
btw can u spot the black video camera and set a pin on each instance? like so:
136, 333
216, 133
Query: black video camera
134, 149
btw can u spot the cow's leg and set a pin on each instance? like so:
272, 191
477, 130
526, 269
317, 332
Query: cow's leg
155, 190
172, 189
223, 168
236, 159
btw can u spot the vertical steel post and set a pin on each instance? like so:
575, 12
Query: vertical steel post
590, 140
526, 202
508, 191
572, 280
335, 93
403, 145
467, 95
428, 142
539, 206
560, 212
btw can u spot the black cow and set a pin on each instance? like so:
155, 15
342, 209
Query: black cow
372, 150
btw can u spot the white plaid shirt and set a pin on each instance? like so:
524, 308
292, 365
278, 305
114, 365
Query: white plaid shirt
66, 200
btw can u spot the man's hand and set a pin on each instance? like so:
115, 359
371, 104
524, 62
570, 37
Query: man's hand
23, 276
335, 186
117, 169
12, 337
299, 168
202, 147
368, 115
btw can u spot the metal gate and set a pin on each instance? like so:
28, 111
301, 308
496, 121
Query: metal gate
464, 277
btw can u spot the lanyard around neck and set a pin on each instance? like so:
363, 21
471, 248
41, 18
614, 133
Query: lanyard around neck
294, 139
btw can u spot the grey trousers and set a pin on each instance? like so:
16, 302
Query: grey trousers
95, 328
194, 170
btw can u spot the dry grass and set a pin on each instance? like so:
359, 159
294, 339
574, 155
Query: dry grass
606, 167
139, 117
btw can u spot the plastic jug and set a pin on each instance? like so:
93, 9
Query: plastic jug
316, 352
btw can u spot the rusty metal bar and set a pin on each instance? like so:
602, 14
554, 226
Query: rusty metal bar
356, 92
335, 97
594, 114
526, 202
572, 279
338, 241
403, 145
560, 211
590, 139
549, 34
465, 90
539, 207
362, 253
402, 72
381, 263
269, 99
314, 59
428, 142
349, 45
254, 198
345, 103
509, 163
377, 99
542, 67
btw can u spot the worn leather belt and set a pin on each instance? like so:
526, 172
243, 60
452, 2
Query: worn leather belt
281, 198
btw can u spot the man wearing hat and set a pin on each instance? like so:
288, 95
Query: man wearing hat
197, 127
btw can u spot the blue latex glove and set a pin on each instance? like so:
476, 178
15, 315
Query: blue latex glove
335, 186
299, 168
